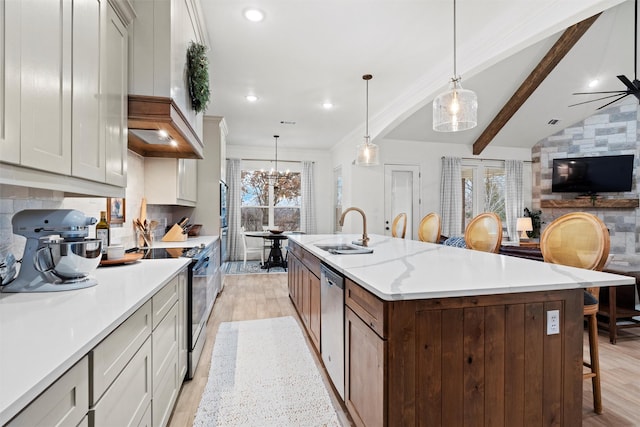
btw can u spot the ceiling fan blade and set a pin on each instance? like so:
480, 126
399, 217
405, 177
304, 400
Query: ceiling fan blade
599, 99
615, 100
628, 83
596, 93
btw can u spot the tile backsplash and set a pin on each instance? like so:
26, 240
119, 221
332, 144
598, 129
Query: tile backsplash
15, 198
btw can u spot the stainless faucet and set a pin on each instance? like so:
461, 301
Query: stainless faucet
365, 239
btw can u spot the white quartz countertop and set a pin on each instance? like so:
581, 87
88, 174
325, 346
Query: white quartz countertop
44, 334
189, 243
403, 269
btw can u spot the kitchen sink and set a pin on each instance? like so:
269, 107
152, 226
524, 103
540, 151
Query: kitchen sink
345, 249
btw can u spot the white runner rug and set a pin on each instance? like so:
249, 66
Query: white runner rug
262, 374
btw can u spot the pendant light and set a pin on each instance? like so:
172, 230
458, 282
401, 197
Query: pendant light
274, 175
367, 151
456, 109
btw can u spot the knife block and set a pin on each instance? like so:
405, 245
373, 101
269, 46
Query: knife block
175, 234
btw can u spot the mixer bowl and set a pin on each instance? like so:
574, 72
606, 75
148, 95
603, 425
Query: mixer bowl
69, 260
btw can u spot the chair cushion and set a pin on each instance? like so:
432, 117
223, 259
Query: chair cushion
457, 242
589, 299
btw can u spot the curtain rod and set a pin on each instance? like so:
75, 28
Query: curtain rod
489, 160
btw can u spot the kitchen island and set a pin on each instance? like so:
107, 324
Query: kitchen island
448, 336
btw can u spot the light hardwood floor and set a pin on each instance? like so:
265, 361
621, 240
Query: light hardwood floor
260, 296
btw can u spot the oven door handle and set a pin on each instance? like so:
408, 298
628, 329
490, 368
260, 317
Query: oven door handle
202, 262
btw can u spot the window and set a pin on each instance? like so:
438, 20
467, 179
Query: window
483, 190
265, 206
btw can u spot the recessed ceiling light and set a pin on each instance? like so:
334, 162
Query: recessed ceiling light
163, 133
327, 105
173, 143
593, 83
251, 98
254, 15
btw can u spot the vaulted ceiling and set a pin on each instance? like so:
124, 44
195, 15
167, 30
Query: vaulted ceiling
307, 52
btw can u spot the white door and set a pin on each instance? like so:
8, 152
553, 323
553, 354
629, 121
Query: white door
402, 194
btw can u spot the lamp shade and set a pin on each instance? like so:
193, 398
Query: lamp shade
523, 225
367, 154
456, 109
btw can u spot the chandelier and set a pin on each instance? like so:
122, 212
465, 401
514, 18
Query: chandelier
456, 109
274, 176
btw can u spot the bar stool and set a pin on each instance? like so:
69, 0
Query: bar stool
581, 239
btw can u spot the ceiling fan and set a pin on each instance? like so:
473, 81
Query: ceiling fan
633, 87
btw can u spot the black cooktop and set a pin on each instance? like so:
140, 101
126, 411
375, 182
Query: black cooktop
163, 253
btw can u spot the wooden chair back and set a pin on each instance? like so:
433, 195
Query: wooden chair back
399, 225
484, 233
429, 228
577, 239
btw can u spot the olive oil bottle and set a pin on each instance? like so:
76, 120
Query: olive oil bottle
102, 232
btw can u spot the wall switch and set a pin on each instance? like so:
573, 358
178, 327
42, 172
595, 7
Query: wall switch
553, 322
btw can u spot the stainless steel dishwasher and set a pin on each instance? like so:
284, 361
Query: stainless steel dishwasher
332, 324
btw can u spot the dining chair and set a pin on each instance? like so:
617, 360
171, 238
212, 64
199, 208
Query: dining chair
580, 239
399, 225
251, 249
484, 233
429, 228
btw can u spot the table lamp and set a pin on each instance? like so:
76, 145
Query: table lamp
523, 225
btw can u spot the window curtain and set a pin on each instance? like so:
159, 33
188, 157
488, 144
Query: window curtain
513, 200
308, 206
234, 181
451, 196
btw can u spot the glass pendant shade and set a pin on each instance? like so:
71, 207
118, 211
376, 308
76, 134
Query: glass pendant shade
367, 154
456, 109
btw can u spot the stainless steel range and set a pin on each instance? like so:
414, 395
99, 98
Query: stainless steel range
203, 287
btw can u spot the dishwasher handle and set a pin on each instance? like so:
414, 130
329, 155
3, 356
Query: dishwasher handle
331, 277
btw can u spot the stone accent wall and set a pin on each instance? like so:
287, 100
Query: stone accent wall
613, 131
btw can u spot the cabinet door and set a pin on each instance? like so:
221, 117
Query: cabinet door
304, 295
188, 179
126, 401
114, 97
364, 372
165, 367
64, 403
45, 83
182, 328
314, 310
10, 81
88, 160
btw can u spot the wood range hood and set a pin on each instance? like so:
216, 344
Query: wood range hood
148, 115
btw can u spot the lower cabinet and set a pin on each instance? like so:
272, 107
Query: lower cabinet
126, 401
63, 404
304, 291
364, 372
131, 378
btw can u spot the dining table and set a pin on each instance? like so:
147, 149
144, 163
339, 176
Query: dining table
275, 258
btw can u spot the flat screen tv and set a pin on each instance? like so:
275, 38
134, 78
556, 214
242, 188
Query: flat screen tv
592, 175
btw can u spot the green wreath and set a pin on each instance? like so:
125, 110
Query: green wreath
198, 73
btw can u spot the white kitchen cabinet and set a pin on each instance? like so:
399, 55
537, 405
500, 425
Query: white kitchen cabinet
111, 356
88, 157
114, 97
171, 181
165, 368
65, 403
41, 69
183, 348
128, 398
63, 88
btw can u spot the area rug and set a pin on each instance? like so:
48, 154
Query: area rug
237, 267
262, 374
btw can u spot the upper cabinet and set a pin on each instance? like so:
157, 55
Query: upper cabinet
159, 96
63, 88
171, 181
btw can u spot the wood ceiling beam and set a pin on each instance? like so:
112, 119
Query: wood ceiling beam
561, 47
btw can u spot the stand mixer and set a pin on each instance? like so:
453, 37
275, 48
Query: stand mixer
55, 265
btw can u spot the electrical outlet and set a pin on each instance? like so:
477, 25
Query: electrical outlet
553, 322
